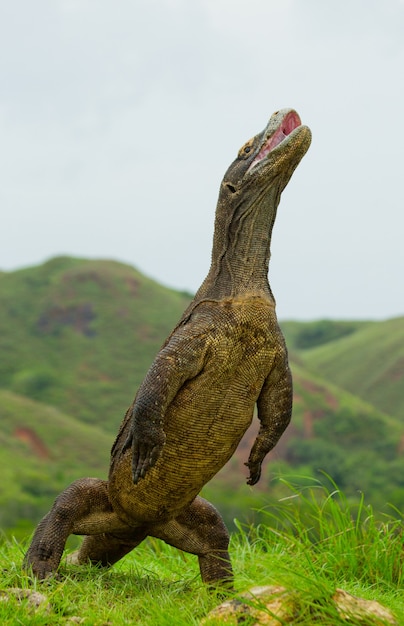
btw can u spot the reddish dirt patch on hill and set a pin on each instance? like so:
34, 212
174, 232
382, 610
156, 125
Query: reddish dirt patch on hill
397, 371
311, 387
77, 316
31, 438
132, 285
308, 425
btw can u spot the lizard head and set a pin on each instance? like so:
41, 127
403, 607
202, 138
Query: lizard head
270, 157
249, 196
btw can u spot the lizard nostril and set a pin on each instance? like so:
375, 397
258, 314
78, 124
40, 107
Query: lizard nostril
231, 187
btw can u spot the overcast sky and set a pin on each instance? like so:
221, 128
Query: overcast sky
119, 119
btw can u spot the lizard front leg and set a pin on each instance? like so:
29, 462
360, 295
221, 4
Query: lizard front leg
181, 359
274, 412
146, 435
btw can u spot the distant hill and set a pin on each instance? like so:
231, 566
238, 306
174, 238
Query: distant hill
76, 338
42, 450
80, 335
368, 362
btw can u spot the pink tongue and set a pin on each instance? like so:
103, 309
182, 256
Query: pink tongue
289, 123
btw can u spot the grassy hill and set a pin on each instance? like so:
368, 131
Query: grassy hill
76, 338
368, 362
42, 451
80, 335
302, 336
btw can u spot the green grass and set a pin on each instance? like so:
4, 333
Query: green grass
313, 543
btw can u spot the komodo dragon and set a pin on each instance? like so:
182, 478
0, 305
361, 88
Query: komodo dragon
225, 356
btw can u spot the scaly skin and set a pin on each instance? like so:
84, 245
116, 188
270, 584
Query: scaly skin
225, 356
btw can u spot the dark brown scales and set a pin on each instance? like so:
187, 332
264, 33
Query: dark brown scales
225, 356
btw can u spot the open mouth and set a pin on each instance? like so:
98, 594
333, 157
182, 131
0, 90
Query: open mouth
290, 122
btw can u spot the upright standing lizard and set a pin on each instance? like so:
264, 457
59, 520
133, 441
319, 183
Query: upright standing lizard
225, 356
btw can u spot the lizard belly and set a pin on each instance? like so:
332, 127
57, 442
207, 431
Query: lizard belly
203, 425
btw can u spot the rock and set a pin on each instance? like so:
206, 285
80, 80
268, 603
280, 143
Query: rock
349, 607
273, 605
260, 603
35, 601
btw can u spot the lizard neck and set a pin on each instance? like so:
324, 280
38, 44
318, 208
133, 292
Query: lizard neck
241, 249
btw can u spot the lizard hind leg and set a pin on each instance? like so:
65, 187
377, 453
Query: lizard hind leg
82, 509
107, 548
200, 530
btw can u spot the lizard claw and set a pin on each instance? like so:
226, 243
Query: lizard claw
128, 443
255, 473
145, 454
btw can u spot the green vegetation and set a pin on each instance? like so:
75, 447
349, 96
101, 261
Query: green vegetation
76, 338
313, 542
369, 363
80, 335
304, 335
42, 451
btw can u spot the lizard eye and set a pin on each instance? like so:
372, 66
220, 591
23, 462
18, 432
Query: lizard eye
246, 149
